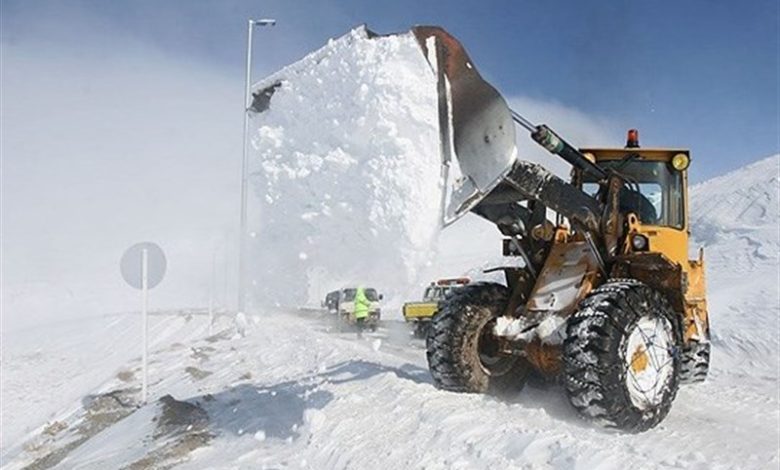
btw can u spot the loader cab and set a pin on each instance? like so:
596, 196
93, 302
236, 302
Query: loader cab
656, 193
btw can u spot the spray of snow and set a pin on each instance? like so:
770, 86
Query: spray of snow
346, 170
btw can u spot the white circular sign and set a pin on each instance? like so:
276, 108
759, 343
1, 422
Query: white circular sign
132, 263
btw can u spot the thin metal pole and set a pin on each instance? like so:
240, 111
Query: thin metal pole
244, 169
145, 316
245, 162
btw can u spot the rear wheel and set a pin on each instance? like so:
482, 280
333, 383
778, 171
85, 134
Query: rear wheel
621, 356
463, 353
695, 362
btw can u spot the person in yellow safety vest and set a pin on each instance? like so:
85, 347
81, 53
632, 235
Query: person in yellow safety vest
361, 309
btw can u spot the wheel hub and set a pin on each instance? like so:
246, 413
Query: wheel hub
639, 360
491, 359
649, 361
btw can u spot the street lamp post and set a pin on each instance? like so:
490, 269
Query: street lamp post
245, 163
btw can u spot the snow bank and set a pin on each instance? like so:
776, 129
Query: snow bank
346, 170
340, 403
735, 218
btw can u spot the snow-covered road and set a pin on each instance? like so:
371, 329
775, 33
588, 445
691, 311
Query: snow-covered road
295, 393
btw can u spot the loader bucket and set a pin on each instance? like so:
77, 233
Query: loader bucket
476, 129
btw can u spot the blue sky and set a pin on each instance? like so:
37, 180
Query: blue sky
697, 74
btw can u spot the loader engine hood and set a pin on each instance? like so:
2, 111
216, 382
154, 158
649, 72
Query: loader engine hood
477, 135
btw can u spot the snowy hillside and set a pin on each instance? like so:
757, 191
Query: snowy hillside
294, 393
736, 217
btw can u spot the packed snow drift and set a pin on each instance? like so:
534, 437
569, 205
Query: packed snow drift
346, 170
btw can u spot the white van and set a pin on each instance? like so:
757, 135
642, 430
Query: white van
346, 306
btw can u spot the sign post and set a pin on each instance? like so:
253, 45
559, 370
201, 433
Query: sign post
145, 319
143, 267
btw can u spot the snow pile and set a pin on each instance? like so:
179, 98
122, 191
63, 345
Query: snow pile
346, 170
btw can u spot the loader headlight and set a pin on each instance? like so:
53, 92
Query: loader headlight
680, 161
639, 242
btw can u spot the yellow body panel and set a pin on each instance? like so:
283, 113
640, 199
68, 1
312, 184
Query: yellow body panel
673, 243
416, 311
697, 324
656, 154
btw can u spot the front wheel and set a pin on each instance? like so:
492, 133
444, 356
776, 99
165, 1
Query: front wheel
622, 356
463, 353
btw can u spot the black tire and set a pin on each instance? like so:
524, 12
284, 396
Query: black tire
460, 343
695, 362
600, 383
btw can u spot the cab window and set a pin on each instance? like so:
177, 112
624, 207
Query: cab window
653, 191
372, 295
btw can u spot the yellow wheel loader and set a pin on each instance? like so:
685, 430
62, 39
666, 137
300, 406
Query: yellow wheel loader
608, 301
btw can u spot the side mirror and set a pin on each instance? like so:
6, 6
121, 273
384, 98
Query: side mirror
381, 296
